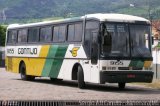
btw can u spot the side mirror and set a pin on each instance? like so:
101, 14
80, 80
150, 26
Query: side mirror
152, 40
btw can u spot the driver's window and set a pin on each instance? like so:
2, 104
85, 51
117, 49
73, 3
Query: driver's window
107, 38
91, 26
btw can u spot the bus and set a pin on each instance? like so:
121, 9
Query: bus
95, 48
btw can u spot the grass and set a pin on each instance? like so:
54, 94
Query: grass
155, 84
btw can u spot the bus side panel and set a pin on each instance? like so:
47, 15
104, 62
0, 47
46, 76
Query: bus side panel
54, 60
66, 69
74, 55
34, 64
41, 61
67, 66
12, 64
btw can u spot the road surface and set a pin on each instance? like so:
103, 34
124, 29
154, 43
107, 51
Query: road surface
13, 88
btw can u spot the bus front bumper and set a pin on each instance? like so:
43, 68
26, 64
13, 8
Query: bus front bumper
125, 76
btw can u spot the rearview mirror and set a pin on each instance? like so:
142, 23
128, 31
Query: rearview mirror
152, 40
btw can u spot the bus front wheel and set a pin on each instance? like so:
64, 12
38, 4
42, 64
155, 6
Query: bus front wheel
121, 85
23, 73
80, 75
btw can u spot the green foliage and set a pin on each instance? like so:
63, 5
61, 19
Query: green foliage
2, 35
23, 11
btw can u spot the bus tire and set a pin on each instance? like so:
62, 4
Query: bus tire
121, 85
23, 73
80, 75
53, 79
30, 78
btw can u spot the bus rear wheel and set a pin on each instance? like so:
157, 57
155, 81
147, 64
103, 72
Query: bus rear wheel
23, 73
80, 75
55, 79
121, 85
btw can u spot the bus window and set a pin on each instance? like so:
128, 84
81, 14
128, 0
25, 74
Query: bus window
94, 48
46, 34
55, 34
75, 32
78, 32
115, 41
62, 33
91, 26
22, 36
12, 36
70, 33
33, 35
59, 33
138, 41
107, 42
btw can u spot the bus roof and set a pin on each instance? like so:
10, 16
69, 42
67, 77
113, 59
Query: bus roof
110, 17
117, 17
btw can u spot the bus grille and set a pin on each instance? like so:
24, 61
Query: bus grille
128, 68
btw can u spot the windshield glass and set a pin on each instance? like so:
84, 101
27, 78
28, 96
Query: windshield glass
115, 40
139, 35
125, 40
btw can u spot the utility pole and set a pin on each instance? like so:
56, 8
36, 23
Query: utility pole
3, 15
149, 10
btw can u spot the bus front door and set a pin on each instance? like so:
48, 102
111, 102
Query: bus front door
94, 58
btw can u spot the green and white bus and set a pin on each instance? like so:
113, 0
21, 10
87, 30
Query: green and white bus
95, 48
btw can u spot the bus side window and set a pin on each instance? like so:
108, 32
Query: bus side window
62, 33
59, 33
75, 32
12, 37
78, 32
33, 34
55, 34
22, 35
46, 34
71, 33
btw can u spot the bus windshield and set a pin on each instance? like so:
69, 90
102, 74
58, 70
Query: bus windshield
125, 40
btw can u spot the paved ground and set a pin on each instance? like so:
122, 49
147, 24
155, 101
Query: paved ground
12, 88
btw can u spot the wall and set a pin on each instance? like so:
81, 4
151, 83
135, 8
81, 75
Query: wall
156, 60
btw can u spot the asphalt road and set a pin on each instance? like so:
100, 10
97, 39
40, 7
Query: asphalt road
13, 88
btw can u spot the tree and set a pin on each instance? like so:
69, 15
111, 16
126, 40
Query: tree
156, 28
2, 35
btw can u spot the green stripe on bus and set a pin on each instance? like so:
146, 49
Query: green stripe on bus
57, 63
52, 66
49, 62
136, 63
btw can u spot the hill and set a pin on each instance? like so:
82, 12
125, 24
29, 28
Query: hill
28, 10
